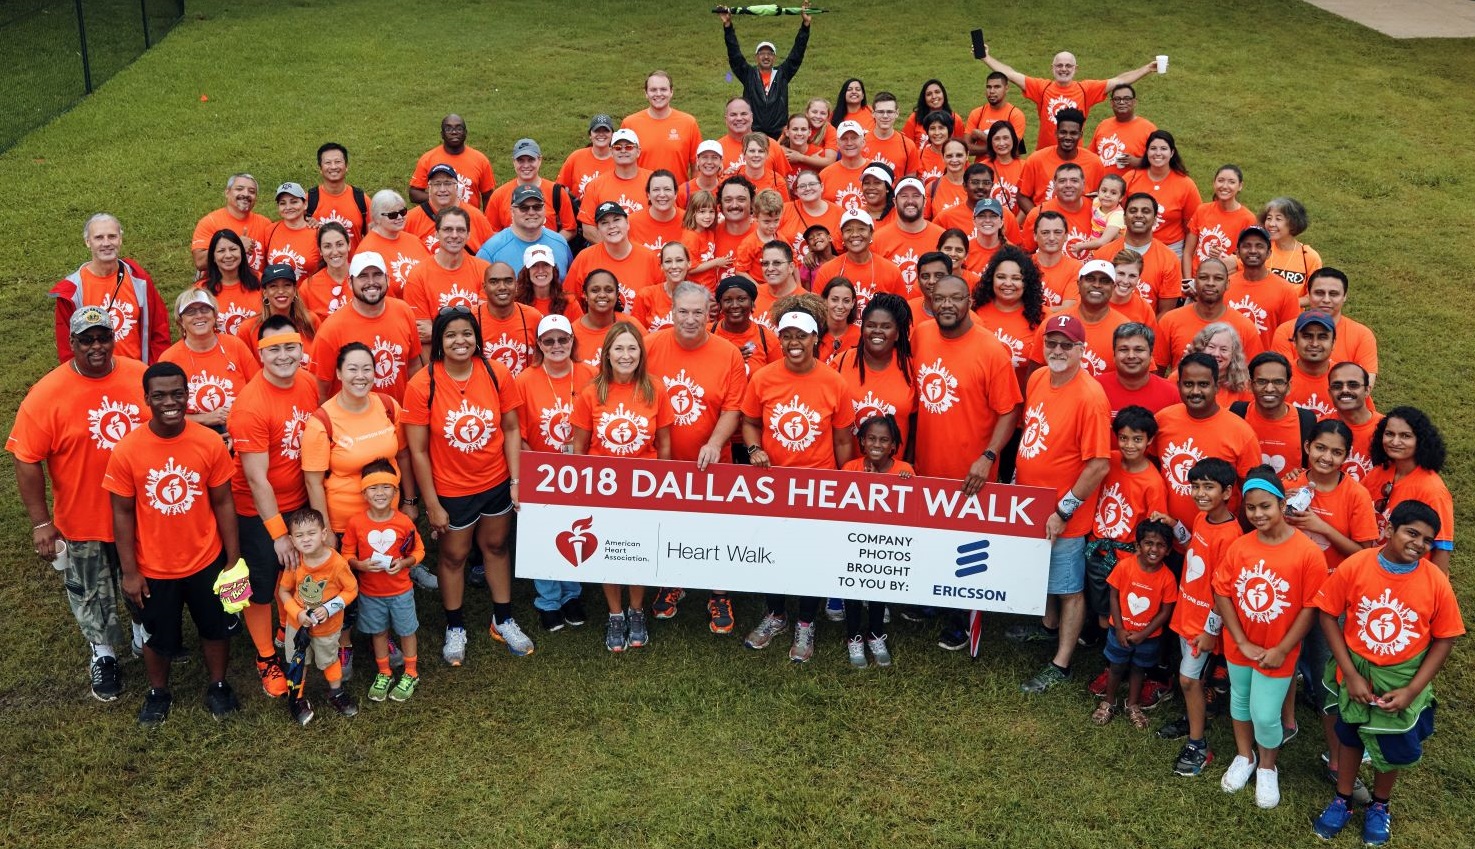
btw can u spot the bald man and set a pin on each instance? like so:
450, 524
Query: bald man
1063, 90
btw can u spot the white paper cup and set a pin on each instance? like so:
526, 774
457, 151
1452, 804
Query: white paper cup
1162, 63
61, 561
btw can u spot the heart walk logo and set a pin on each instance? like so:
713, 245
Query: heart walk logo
972, 558
577, 544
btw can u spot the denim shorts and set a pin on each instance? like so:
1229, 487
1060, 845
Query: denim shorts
378, 613
1067, 566
1191, 667
1143, 655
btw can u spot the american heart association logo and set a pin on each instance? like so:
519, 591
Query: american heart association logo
577, 544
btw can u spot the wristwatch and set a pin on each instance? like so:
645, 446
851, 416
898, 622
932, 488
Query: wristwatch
990, 456
752, 448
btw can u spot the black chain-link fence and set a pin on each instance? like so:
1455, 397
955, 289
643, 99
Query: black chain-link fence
58, 51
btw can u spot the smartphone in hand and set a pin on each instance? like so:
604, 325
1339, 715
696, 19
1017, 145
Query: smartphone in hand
978, 49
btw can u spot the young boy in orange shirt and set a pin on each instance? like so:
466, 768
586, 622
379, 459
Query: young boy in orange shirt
313, 595
1144, 599
1132, 490
382, 546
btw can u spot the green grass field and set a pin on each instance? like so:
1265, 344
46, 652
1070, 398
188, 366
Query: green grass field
694, 741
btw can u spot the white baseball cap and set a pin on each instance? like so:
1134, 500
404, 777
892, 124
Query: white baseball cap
710, 146
555, 322
857, 215
536, 254
1097, 266
911, 182
762, 45
850, 127
624, 134
364, 261
801, 320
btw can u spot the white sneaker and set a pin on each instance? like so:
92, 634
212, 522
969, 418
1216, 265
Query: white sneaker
511, 633
455, 648
424, 578
856, 648
1267, 787
1238, 775
877, 645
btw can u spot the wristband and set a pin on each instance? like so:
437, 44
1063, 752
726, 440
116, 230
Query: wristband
1214, 624
1068, 505
334, 605
513, 481
1181, 533
40, 526
410, 500
275, 526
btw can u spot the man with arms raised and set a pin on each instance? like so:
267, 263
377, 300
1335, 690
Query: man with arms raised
765, 86
1063, 89
120, 287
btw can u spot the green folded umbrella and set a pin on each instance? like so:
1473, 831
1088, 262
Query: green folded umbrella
765, 11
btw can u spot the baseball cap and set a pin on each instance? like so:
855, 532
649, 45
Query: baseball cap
364, 261
440, 169
1314, 317
878, 172
911, 182
184, 302
625, 134
608, 208
1097, 266
1068, 326
801, 320
554, 322
522, 193
601, 122
293, 189
1254, 230
857, 215
710, 146
764, 45
526, 147
278, 271
536, 254
849, 127
988, 205
87, 318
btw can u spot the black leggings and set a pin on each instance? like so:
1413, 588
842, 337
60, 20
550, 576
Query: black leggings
875, 619
808, 606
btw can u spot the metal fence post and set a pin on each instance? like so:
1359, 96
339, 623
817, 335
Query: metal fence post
82, 40
143, 7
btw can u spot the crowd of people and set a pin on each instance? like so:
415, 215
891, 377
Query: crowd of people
815, 286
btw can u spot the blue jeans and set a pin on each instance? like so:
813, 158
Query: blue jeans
553, 595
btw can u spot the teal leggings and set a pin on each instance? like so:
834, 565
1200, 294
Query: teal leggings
1257, 698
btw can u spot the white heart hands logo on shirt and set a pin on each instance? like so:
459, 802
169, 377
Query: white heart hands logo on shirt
1274, 461
1193, 567
383, 540
1137, 603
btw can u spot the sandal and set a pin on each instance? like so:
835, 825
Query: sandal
1136, 716
1103, 713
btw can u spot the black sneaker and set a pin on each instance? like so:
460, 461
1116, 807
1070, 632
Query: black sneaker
953, 639
1192, 760
155, 708
301, 710
1175, 730
221, 700
551, 620
343, 703
107, 679
573, 613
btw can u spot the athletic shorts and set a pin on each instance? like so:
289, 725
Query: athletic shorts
163, 609
260, 554
378, 614
1191, 667
466, 510
1401, 750
1143, 655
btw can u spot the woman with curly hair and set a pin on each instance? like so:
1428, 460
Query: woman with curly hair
1408, 454
1009, 301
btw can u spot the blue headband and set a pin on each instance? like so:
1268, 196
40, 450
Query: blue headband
1261, 483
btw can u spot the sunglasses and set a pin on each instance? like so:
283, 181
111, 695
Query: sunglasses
397, 214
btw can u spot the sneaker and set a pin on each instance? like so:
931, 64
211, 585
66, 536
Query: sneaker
424, 578
396, 657
1097, 687
614, 633
1376, 824
476, 576
155, 708
511, 633
345, 660
1267, 787
1192, 760
273, 682
953, 639
855, 647
1360, 793
551, 620
404, 688
1136, 717
719, 613
666, 601
1288, 733
343, 703
1334, 817
454, 651
1154, 693
1103, 713
301, 711
1034, 632
877, 645
770, 627
379, 690
803, 648
1238, 775
107, 680
1175, 730
835, 609
1044, 680
573, 613
918, 614
221, 700
639, 630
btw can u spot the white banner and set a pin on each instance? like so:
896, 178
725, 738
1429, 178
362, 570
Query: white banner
796, 532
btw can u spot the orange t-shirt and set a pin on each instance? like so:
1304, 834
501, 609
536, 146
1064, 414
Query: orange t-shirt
1295, 265
879, 393
581, 168
544, 419
1138, 310
343, 209
1183, 440
1038, 180
1280, 439
964, 385
474, 173
1311, 392
1218, 231
1418, 485
625, 423
831, 347
1177, 199
1354, 342
401, 254
358, 439
364, 538
1077, 225
669, 142
432, 287
1007, 176
898, 467
1177, 327
1267, 304
898, 153
571, 309
652, 308
297, 248
841, 186
267, 419
1113, 138
797, 220
725, 243
254, 226
464, 425
558, 208
1051, 97
1096, 356
610, 186
947, 206
702, 246
747, 257
589, 342
700, 385
759, 341
930, 165
904, 249
308, 586
799, 414
1348, 508
420, 223
1063, 427
391, 336
1060, 280
323, 295
234, 305
216, 376
72, 424
511, 340
872, 277
1204, 557
1011, 328
1359, 458
175, 534
639, 268
985, 116
653, 235
1391, 619
1140, 593
1126, 499
1269, 585
1162, 271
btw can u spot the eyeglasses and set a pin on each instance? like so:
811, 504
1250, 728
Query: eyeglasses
95, 340
1275, 383
771, 263
1123, 99
1338, 385
1057, 344
556, 341
396, 214
939, 300
530, 207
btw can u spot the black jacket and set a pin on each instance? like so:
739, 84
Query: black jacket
771, 107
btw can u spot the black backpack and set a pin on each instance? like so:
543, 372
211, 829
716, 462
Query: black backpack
1305, 417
